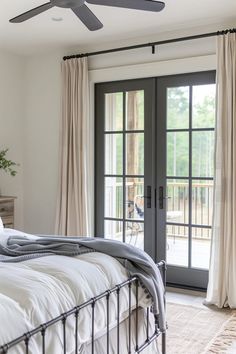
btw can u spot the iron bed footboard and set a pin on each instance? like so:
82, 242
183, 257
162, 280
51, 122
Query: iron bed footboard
42, 329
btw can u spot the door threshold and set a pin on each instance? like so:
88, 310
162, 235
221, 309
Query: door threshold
184, 289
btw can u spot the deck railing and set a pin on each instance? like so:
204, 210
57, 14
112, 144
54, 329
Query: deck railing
178, 209
200, 215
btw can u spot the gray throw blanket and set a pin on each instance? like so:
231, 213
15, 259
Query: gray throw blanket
137, 262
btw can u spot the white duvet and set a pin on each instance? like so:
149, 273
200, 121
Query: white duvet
38, 290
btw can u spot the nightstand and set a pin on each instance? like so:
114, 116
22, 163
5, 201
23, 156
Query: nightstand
7, 211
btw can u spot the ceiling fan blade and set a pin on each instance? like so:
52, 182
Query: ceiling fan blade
87, 17
145, 5
31, 13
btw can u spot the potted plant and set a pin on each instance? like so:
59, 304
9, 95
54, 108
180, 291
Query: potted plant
7, 165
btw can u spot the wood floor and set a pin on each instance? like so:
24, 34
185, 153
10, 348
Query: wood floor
185, 297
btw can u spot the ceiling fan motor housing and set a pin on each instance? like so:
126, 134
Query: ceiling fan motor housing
67, 3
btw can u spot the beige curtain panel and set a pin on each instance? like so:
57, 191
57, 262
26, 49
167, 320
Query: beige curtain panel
222, 276
73, 206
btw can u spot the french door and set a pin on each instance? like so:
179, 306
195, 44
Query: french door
154, 169
186, 122
125, 162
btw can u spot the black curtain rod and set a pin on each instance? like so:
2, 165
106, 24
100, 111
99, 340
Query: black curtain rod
151, 44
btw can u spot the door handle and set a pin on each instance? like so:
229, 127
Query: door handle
162, 198
148, 197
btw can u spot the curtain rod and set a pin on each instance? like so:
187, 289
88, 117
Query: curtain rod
151, 44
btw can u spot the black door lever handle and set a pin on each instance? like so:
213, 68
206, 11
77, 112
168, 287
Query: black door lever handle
162, 198
148, 197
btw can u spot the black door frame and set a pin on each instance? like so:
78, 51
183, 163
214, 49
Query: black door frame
155, 156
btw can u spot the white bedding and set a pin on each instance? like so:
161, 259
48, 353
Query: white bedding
37, 290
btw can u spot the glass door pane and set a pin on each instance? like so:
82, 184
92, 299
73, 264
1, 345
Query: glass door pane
190, 156
124, 172
134, 169
187, 106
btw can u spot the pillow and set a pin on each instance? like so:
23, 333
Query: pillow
6, 233
3, 237
1, 225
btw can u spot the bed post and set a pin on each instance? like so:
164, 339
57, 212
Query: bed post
162, 265
164, 333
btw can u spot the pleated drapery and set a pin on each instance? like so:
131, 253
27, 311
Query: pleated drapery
73, 205
222, 275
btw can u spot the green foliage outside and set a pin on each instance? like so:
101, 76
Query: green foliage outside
203, 116
117, 125
7, 165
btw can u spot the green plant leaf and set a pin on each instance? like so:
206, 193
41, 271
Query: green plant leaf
7, 165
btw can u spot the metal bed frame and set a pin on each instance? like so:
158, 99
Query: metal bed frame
150, 337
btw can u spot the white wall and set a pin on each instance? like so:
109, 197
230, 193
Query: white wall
43, 90
12, 69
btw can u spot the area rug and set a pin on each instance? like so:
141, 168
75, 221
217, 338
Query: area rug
200, 330
224, 341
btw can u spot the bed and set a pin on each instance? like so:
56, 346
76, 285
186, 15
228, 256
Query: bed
88, 303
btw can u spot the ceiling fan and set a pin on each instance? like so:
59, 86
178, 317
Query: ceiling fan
85, 14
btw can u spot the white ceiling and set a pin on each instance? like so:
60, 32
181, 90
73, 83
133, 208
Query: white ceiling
41, 33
